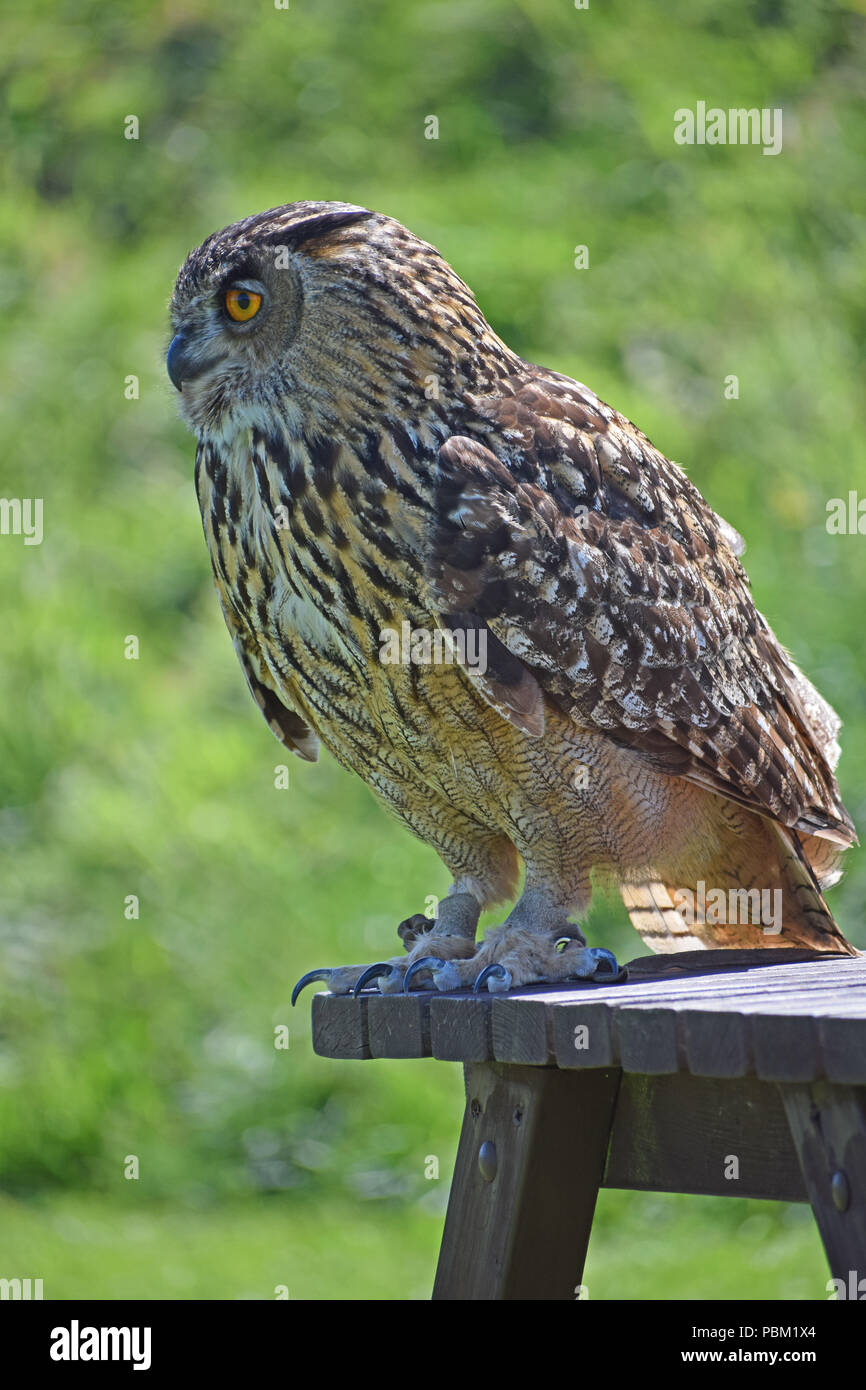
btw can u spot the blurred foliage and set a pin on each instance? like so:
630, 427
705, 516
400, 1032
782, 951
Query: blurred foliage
155, 777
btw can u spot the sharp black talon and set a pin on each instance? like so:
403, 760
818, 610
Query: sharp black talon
373, 972
495, 969
425, 963
617, 973
323, 973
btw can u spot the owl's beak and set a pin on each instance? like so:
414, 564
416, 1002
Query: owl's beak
177, 361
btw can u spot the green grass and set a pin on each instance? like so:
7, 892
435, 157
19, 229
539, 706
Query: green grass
153, 1035
643, 1247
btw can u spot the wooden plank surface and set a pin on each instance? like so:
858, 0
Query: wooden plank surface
720, 1138
398, 1026
460, 1027
781, 1015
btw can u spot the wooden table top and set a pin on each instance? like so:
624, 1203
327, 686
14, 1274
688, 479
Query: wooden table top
780, 1015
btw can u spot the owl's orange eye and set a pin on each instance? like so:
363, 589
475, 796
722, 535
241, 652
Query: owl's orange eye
242, 305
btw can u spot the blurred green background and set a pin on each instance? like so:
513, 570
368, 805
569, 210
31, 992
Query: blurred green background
153, 1036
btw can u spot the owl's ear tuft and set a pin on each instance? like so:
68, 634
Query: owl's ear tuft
297, 234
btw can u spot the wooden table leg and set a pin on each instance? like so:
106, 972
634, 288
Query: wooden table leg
531, 1157
828, 1126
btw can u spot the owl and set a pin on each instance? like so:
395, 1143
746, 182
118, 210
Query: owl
488, 594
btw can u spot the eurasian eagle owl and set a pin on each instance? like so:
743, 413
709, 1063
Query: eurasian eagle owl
596, 691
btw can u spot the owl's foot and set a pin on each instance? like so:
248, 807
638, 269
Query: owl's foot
412, 929
388, 976
344, 979
448, 936
511, 956
513, 963
536, 945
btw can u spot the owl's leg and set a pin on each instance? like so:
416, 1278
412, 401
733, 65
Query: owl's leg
536, 944
450, 935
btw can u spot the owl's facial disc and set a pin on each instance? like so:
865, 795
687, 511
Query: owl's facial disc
233, 326
202, 346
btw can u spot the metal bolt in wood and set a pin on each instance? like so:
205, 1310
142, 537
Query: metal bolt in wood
487, 1161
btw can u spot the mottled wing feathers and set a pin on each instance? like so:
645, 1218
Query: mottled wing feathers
502, 678
599, 567
284, 723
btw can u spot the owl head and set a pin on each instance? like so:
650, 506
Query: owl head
322, 315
